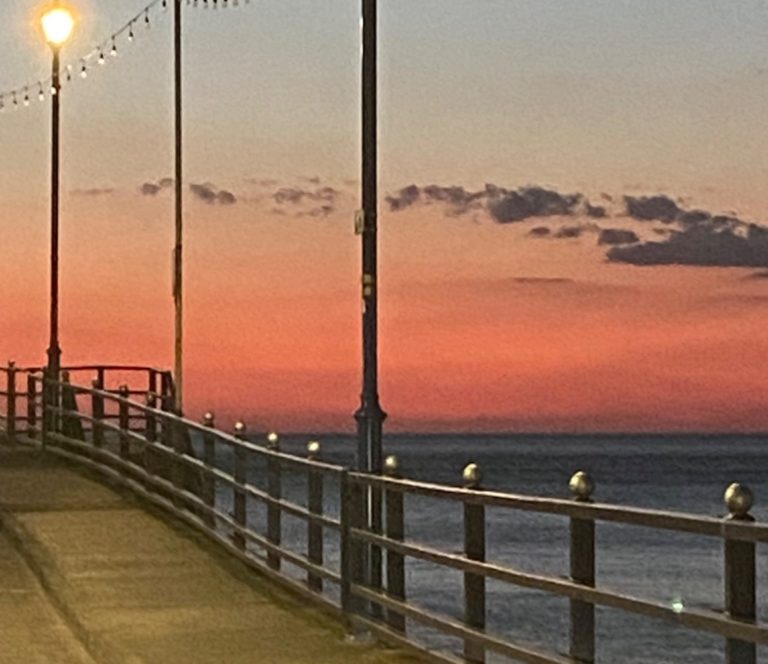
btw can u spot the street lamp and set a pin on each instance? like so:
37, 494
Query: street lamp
57, 23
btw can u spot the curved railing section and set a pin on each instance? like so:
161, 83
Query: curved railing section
307, 525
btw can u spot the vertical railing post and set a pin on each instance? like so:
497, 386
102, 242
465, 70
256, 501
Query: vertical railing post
395, 530
151, 392
124, 420
739, 575
31, 405
11, 403
150, 421
239, 472
582, 641
275, 490
474, 549
315, 506
97, 412
209, 460
352, 550
46, 414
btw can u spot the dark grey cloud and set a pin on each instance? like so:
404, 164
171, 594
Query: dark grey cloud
150, 189
504, 205
616, 236
154, 188
208, 193
530, 202
96, 191
652, 208
570, 232
595, 211
297, 195
540, 231
406, 197
702, 245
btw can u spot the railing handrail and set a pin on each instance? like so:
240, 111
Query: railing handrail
364, 539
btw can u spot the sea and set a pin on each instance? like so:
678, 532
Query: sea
687, 473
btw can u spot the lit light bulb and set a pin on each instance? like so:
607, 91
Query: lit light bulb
130, 32
146, 17
40, 93
83, 71
57, 26
101, 57
26, 97
53, 91
113, 51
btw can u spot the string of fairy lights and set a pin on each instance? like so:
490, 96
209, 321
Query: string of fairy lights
22, 95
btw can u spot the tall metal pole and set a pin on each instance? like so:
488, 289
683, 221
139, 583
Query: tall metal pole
369, 416
54, 351
177, 249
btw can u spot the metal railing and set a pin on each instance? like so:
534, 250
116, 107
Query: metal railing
234, 491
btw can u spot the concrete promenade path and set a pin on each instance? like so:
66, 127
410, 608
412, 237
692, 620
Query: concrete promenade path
89, 574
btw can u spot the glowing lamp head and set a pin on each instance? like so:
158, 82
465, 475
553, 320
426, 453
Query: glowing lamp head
58, 24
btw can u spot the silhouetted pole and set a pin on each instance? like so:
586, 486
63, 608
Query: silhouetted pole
177, 249
54, 350
370, 416
57, 24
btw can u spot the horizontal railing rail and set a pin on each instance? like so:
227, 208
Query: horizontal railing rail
351, 551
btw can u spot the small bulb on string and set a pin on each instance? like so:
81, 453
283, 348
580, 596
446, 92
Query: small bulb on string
15, 101
101, 57
113, 51
26, 97
130, 32
165, 4
40, 93
54, 92
69, 73
146, 17
83, 71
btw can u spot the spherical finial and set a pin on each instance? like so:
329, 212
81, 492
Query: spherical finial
208, 418
738, 500
65, 378
95, 383
11, 364
239, 428
581, 486
123, 389
313, 449
472, 476
392, 466
273, 440
151, 400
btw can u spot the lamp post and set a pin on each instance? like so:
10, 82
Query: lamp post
370, 415
178, 346
57, 24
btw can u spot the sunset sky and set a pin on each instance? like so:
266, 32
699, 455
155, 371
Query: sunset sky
573, 213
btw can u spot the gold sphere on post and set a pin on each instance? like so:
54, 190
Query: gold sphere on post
208, 418
239, 428
273, 440
581, 486
739, 500
471, 476
392, 466
313, 449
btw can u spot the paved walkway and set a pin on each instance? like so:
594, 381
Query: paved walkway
87, 574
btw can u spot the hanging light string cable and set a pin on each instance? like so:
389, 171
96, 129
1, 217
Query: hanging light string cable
15, 97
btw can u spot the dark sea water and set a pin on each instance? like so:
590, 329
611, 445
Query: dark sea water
683, 473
